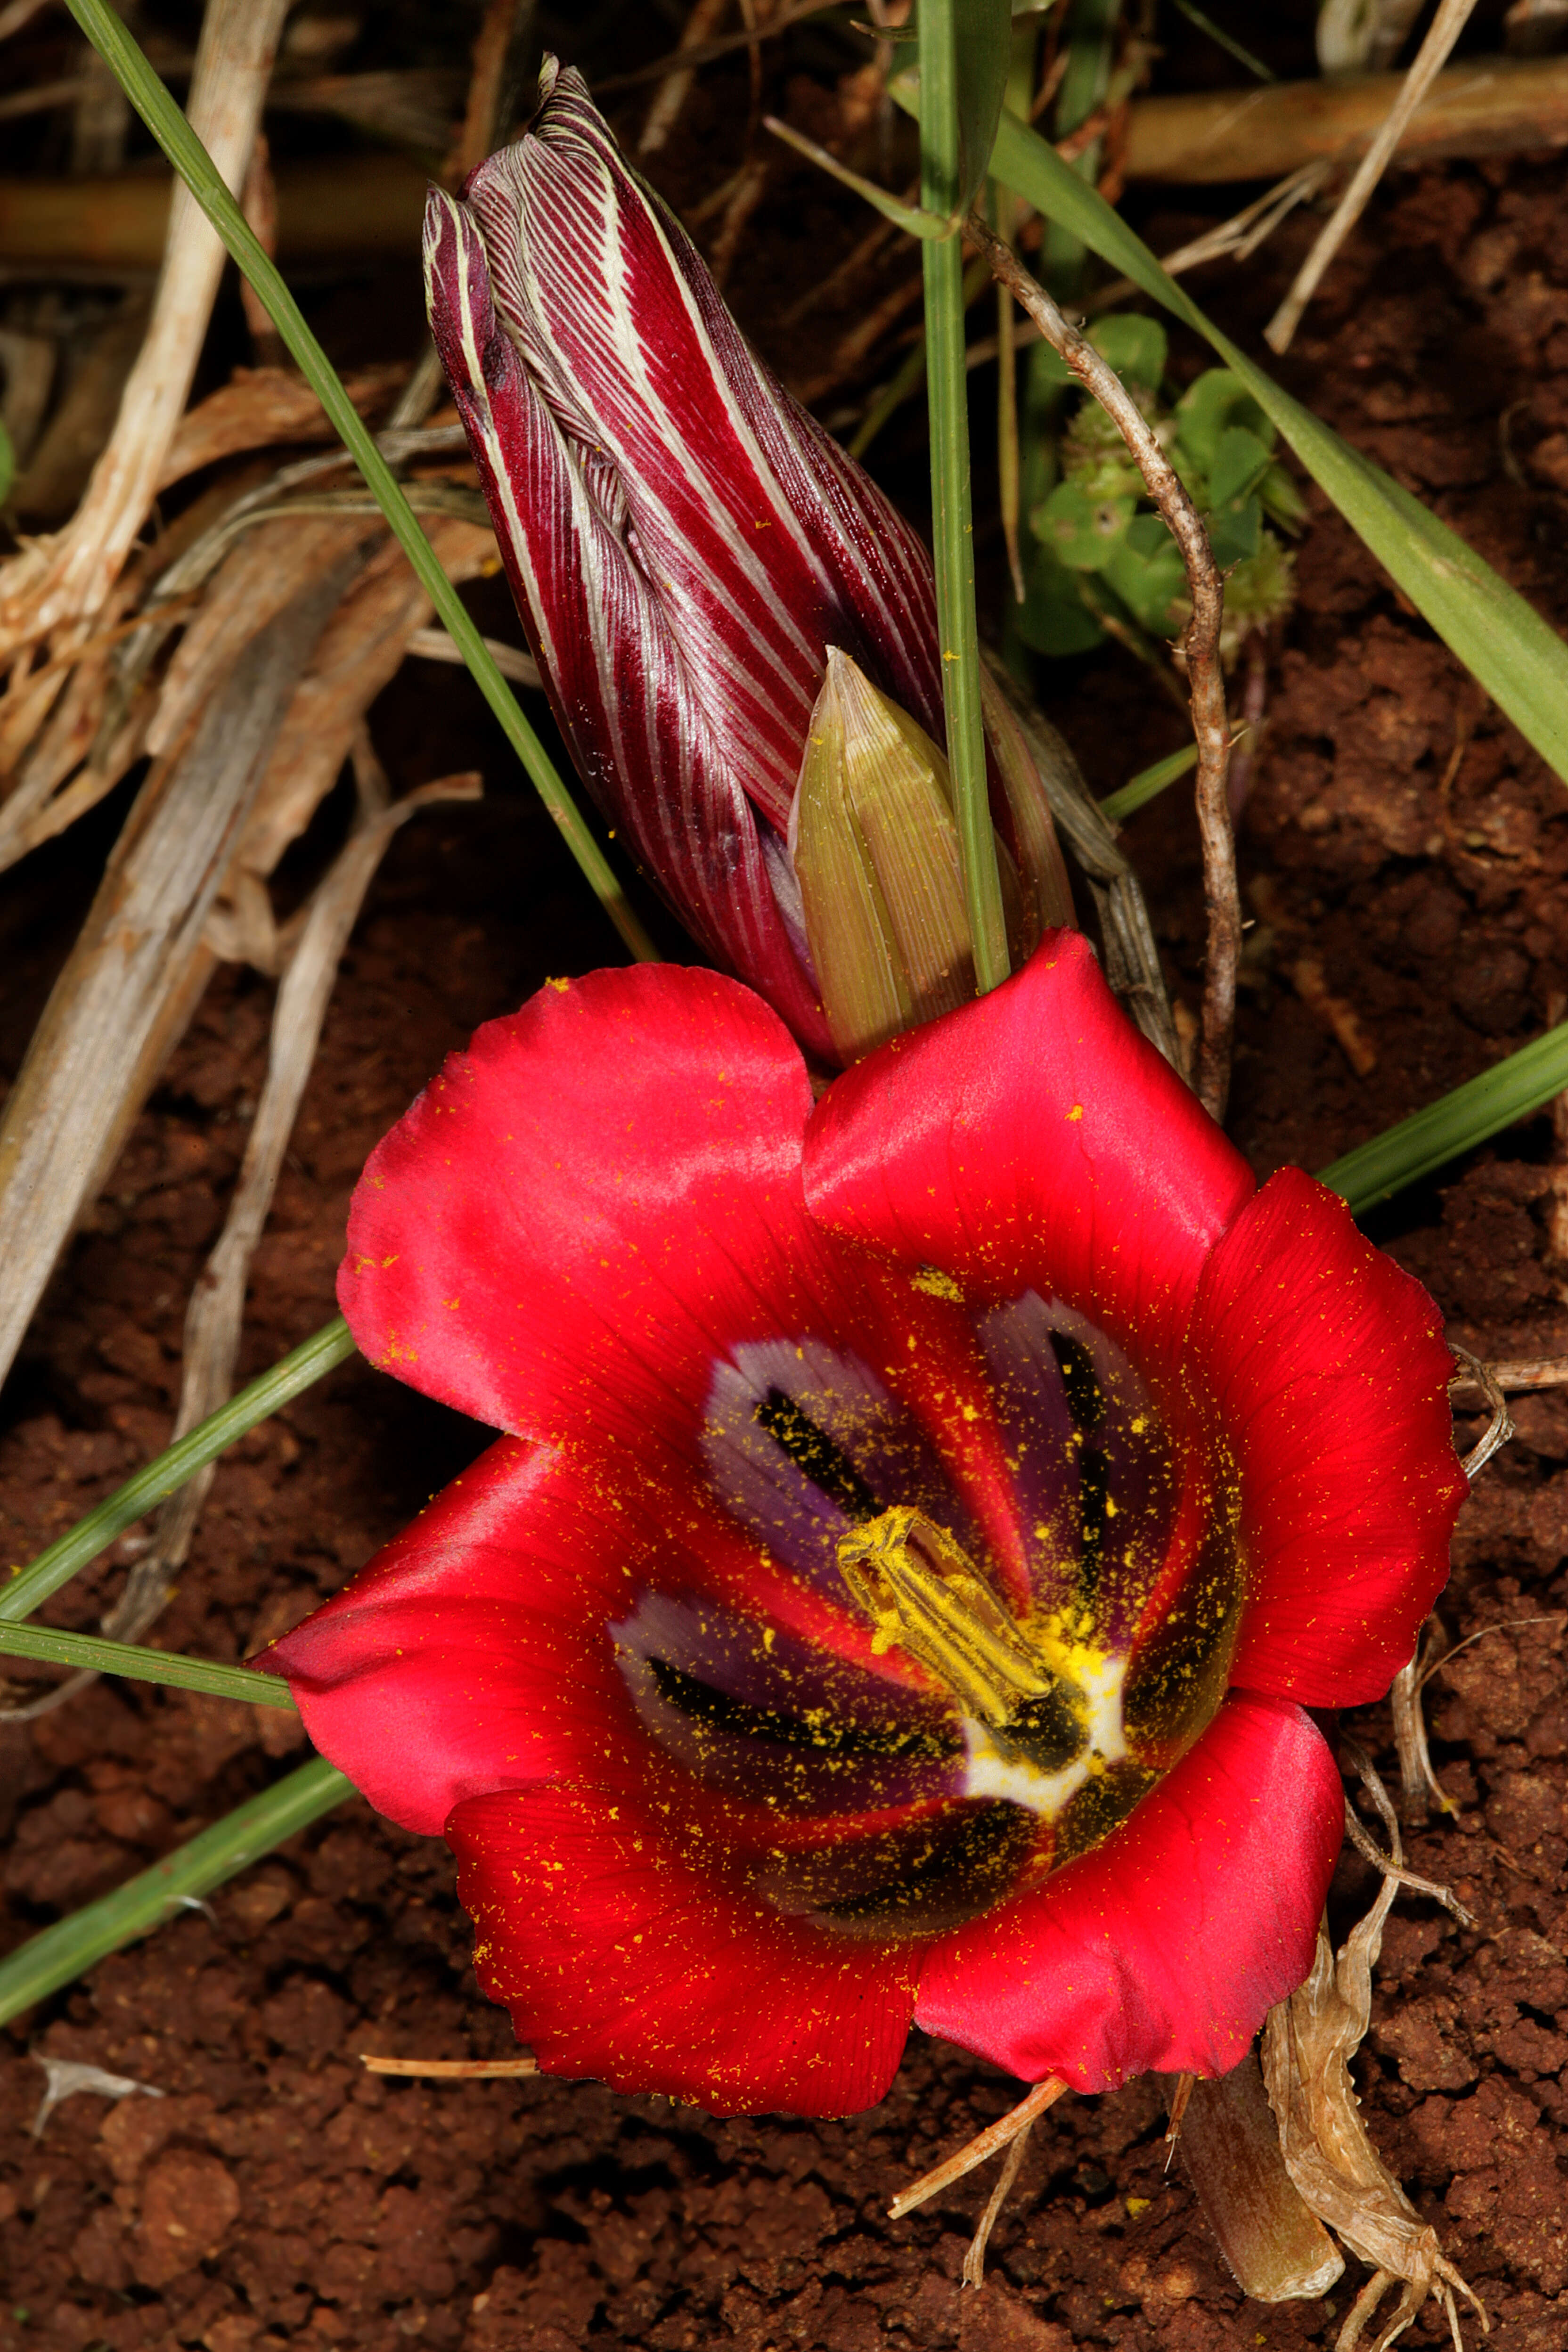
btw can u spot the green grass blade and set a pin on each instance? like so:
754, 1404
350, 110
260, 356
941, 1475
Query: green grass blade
190, 159
1524, 1083
90, 1653
1504, 644
298, 1371
1147, 782
65, 1951
952, 528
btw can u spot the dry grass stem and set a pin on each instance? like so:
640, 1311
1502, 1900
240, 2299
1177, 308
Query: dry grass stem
974, 2273
1199, 647
675, 88
1418, 1782
136, 957
310, 958
1520, 1373
64, 582
1308, 2044
1487, 106
988, 2143
1499, 1428
1444, 29
451, 2070
435, 644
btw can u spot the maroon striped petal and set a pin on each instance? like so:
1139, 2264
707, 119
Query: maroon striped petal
767, 542
621, 688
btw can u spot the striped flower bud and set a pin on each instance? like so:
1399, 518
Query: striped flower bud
683, 540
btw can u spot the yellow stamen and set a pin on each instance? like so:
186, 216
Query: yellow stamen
923, 1592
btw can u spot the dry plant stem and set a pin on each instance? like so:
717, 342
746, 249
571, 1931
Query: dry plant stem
1395, 1871
141, 945
1181, 2099
674, 90
1487, 106
1444, 29
66, 579
1515, 1373
214, 1319
1499, 1428
1418, 1780
19, 12
974, 2273
1200, 646
1308, 2044
500, 27
451, 2070
989, 2142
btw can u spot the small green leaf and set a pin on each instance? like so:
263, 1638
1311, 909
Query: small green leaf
1282, 501
1053, 618
1134, 346
1239, 463
1235, 532
1081, 533
1148, 574
1211, 407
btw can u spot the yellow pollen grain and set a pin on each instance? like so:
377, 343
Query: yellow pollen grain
1076, 1112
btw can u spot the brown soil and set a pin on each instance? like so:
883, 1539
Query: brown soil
1400, 835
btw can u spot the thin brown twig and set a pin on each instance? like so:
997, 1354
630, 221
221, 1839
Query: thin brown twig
1499, 1428
1517, 1373
1200, 648
451, 2070
990, 2142
1445, 28
974, 2273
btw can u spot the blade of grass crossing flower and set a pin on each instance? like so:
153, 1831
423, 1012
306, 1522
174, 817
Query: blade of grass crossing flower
300, 1370
89, 1654
1505, 644
1524, 1083
1148, 783
63, 1952
952, 525
174, 134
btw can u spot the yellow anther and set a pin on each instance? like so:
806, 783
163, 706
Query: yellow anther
923, 1594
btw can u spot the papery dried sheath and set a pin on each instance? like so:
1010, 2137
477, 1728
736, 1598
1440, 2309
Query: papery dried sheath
684, 541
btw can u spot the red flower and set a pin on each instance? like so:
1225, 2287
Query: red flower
926, 1521
683, 540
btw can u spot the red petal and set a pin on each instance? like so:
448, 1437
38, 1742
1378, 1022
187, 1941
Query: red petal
767, 544
470, 1654
620, 688
1330, 1376
620, 1960
588, 1206
1168, 1945
1034, 1141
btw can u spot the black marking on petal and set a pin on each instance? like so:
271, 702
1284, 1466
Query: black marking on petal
1085, 1398
812, 1450
967, 1866
821, 1730
1093, 1484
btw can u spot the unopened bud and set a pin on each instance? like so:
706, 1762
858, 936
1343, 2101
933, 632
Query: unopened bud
876, 851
